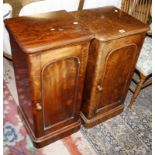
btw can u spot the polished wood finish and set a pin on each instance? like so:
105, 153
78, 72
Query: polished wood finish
111, 61
49, 56
47, 30
109, 23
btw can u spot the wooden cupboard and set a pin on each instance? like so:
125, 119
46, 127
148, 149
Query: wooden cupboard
112, 57
49, 57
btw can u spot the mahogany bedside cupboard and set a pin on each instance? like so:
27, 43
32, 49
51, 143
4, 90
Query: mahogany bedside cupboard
111, 61
49, 57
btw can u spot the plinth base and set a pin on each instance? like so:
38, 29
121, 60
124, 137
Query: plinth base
99, 118
52, 136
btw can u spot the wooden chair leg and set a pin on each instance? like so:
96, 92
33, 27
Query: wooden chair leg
137, 90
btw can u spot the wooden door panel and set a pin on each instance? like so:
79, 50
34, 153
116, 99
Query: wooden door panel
59, 88
118, 67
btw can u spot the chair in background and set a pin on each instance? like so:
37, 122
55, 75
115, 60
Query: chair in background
143, 68
48, 6
141, 9
86, 4
7, 13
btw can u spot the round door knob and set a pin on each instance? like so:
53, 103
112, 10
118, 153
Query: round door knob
99, 88
38, 107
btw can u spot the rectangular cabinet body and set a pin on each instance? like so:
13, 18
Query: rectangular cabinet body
111, 61
49, 56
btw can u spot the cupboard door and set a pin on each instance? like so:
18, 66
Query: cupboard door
59, 91
119, 65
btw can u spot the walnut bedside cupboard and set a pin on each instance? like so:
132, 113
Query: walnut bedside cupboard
50, 53
111, 61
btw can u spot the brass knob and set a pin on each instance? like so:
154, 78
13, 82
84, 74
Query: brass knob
99, 88
38, 107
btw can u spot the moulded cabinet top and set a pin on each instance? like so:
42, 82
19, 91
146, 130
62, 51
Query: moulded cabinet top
47, 30
109, 22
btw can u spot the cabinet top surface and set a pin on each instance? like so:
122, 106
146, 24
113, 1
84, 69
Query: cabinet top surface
109, 22
47, 30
